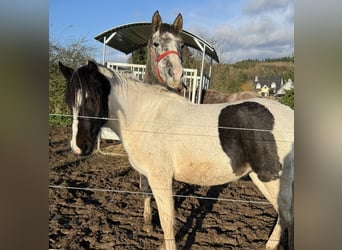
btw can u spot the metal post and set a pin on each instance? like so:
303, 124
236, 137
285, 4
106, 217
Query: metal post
201, 81
211, 64
105, 41
194, 85
104, 50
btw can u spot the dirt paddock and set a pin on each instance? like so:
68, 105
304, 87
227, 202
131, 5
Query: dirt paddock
104, 210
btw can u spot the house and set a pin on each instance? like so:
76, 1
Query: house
272, 86
265, 91
287, 86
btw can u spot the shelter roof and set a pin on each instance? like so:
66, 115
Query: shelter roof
130, 37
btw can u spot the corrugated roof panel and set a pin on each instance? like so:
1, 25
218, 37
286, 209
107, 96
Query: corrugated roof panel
130, 37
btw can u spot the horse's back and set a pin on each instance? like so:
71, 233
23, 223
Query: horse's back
283, 129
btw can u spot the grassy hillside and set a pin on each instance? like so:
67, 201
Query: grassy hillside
230, 78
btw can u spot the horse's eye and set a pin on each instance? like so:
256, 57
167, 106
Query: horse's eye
182, 46
155, 44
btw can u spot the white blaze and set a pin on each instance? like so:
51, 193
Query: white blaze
177, 69
75, 113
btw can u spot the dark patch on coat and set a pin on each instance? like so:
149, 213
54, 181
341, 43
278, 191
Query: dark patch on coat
256, 148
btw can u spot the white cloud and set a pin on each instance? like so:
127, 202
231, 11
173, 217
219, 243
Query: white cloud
253, 7
118, 57
239, 30
266, 32
112, 55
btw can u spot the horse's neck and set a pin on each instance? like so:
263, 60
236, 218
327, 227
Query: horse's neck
134, 100
150, 67
131, 96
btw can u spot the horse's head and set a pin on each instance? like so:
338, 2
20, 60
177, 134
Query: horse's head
164, 48
87, 96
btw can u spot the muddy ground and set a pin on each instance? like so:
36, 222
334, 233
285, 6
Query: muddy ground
103, 219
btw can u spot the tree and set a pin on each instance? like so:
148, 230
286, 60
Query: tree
139, 56
73, 55
188, 60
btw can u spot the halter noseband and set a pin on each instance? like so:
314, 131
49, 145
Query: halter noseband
166, 53
160, 57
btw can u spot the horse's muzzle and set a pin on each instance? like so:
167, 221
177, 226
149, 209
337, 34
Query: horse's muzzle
84, 149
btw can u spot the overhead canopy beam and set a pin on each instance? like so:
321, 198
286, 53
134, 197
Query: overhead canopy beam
105, 41
110, 37
130, 37
134, 36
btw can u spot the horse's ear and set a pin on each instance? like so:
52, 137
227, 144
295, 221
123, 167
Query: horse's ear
156, 21
178, 23
66, 71
92, 66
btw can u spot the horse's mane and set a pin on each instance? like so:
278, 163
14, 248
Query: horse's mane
118, 78
165, 27
109, 73
80, 81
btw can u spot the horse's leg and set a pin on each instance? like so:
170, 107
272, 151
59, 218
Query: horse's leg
162, 192
286, 197
144, 187
270, 190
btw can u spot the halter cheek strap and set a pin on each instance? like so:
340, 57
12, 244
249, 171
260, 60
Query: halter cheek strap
160, 57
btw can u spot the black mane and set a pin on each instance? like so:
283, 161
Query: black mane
90, 81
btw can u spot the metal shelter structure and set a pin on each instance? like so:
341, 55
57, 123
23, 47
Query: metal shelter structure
131, 37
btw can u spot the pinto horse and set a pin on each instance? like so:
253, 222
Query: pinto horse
167, 137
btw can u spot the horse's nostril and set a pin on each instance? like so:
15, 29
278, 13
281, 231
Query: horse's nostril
87, 149
170, 72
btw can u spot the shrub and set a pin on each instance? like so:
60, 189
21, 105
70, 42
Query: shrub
288, 98
73, 55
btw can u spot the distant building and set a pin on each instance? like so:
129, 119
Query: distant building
272, 86
287, 86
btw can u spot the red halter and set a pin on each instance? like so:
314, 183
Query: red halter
160, 57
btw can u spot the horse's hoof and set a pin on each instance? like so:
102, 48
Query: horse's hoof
274, 245
148, 228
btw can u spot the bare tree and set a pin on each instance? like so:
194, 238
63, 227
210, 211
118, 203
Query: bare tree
74, 55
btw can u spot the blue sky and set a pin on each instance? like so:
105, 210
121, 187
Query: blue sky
238, 29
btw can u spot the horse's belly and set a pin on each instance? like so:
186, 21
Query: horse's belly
204, 173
